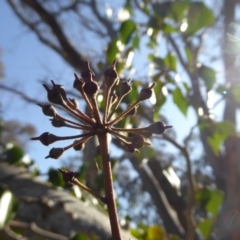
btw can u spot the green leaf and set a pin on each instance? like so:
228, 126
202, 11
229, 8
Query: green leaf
13, 155
208, 75
126, 30
205, 227
180, 100
155, 232
160, 97
215, 202
203, 196
55, 177
135, 41
178, 10
112, 51
198, 17
222, 130
170, 62
80, 236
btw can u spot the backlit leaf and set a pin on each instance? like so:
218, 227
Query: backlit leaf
126, 30
180, 100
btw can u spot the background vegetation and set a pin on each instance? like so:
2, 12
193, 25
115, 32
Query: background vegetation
184, 186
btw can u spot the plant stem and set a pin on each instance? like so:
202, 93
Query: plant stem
108, 182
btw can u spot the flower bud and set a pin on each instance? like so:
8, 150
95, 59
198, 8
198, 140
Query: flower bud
55, 153
88, 73
125, 88
46, 138
48, 110
157, 127
146, 93
110, 75
57, 122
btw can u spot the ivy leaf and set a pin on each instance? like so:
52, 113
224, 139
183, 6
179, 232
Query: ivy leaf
222, 131
208, 75
170, 62
79, 236
126, 30
205, 227
180, 100
155, 232
199, 16
215, 202
112, 51
55, 177
13, 155
178, 10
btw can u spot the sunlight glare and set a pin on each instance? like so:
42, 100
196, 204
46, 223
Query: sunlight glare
108, 10
184, 25
129, 59
120, 45
123, 15
200, 112
150, 32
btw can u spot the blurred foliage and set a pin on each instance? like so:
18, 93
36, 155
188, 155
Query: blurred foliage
183, 23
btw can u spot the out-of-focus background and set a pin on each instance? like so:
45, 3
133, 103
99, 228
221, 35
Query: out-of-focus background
185, 185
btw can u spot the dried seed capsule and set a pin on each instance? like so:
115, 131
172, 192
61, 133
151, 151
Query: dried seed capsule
138, 141
88, 73
91, 88
55, 153
110, 75
60, 89
78, 83
146, 93
68, 175
54, 95
125, 88
157, 127
46, 138
57, 122
79, 146
48, 110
